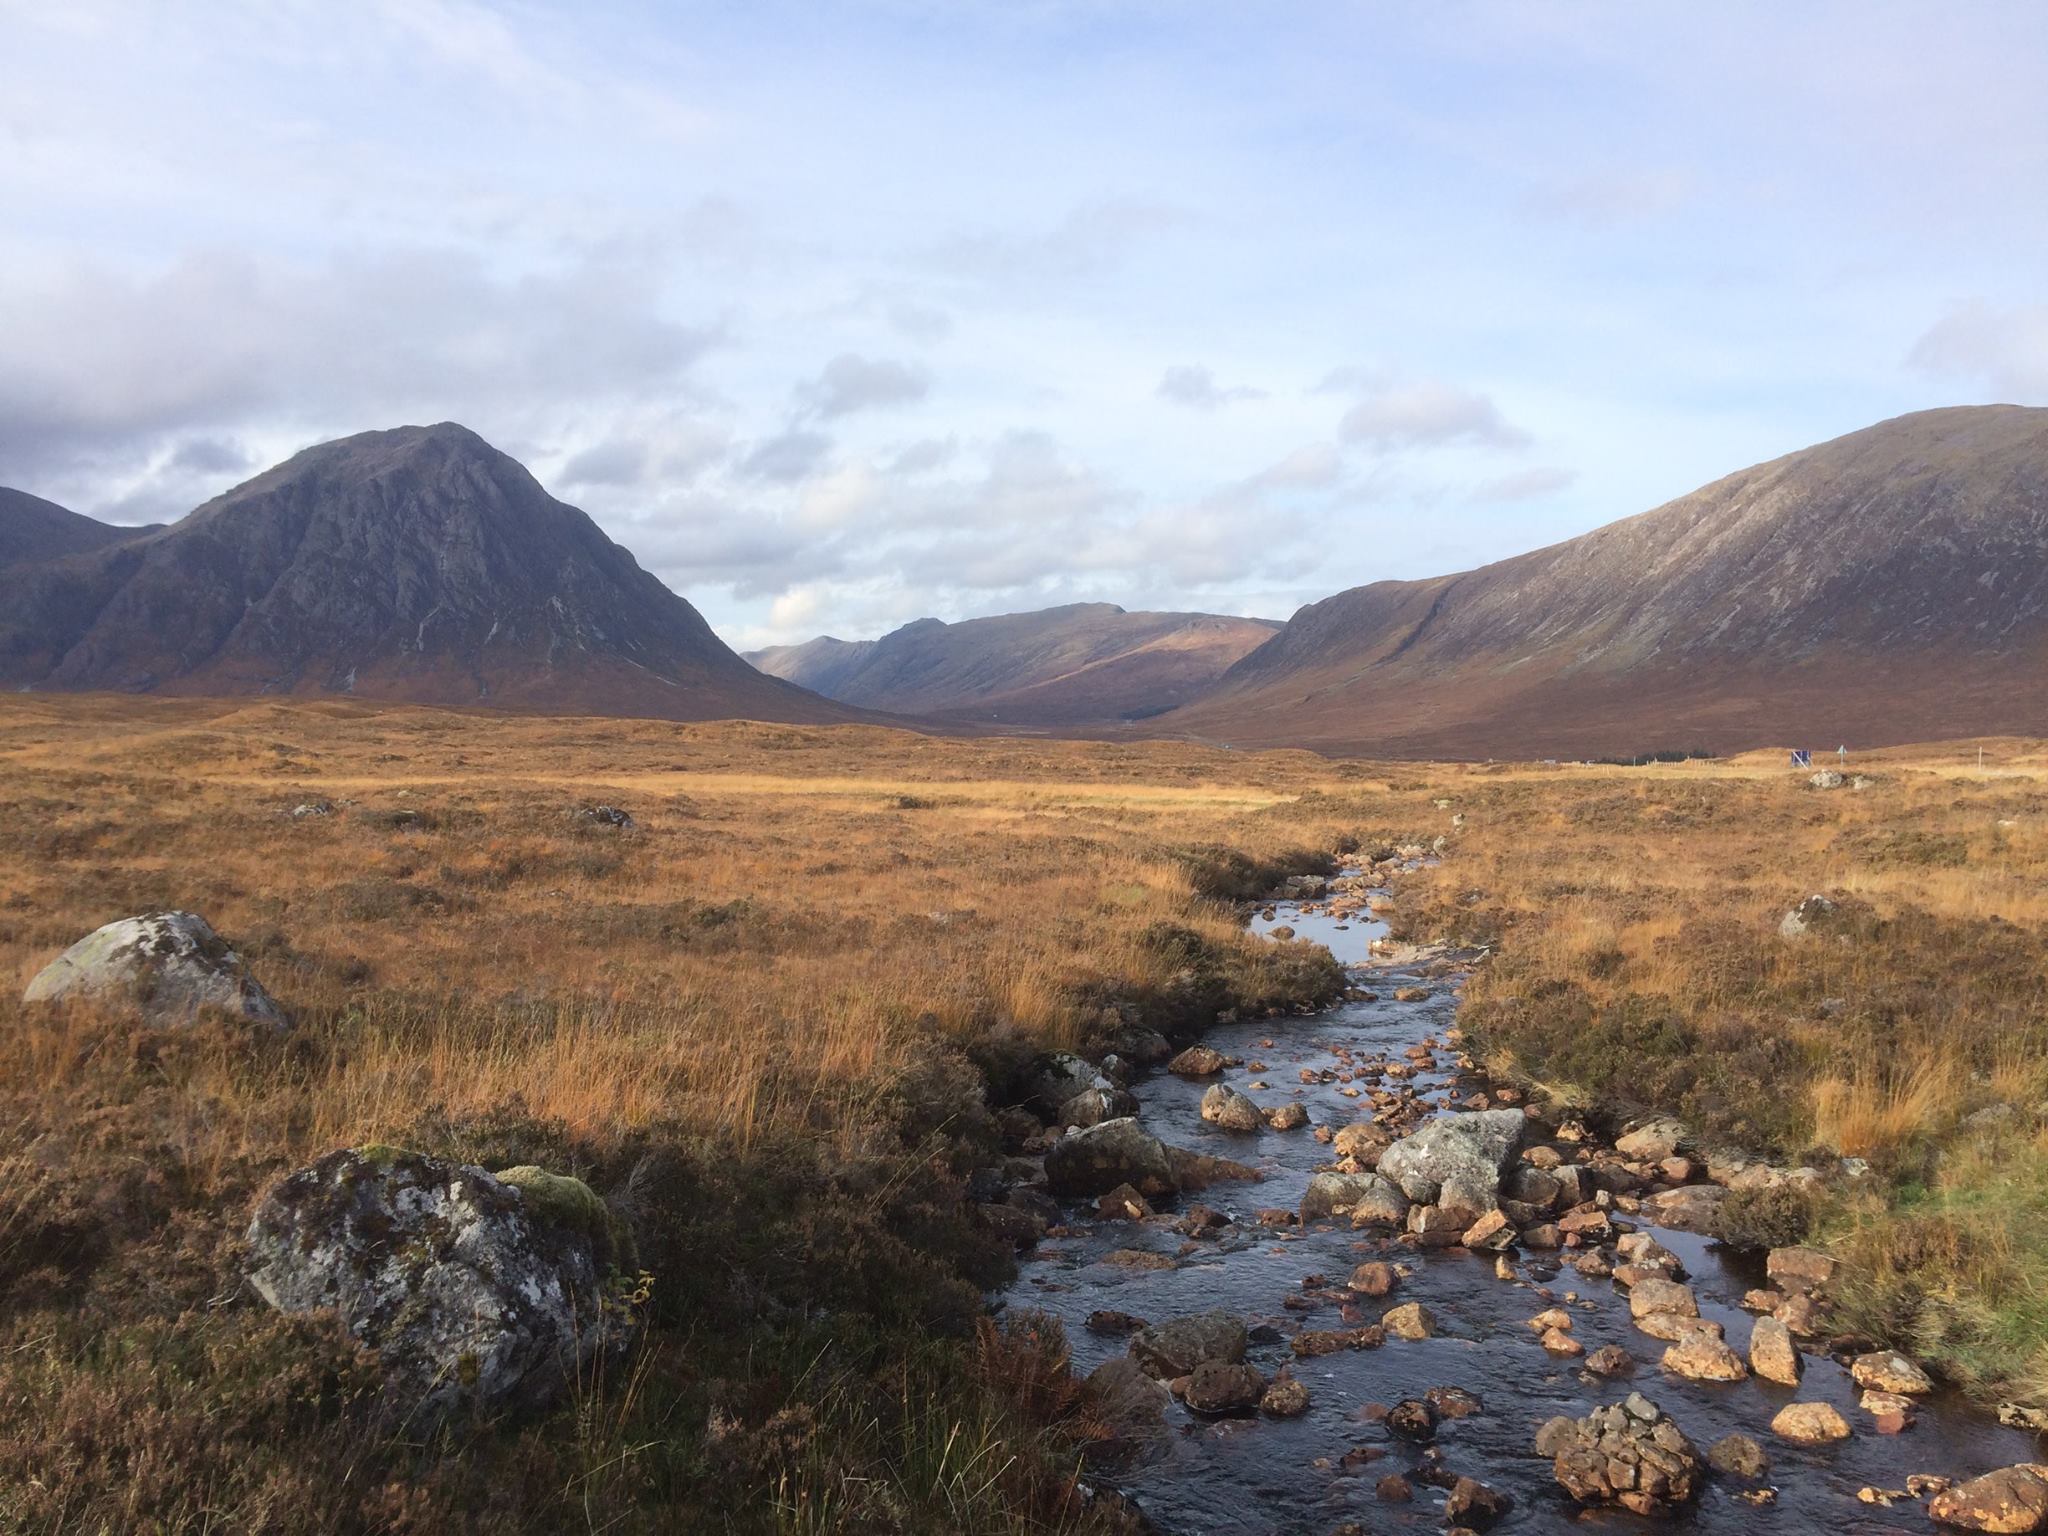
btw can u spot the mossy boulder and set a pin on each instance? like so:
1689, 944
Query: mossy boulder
479, 1292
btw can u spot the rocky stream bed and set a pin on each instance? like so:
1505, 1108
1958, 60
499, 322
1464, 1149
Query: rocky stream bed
1370, 1430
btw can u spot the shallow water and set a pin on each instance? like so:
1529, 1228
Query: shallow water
1261, 1477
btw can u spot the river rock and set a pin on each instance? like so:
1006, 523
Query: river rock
1656, 1296
1174, 1348
1630, 1454
170, 967
1887, 1370
1796, 1270
1231, 1110
1772, 1354
1474, 1506
1471, 1151
1738, 1455
2010, 1499
1219, 1386
477, 1291
1700, 1356
1610, 1361
1689, 1208
1059, 1077
1096, 1160
1413, 1420
1329, 1193
1809, 1424
1373, 1278
1361, 1140
1651, 1142
1410, 1320
1197, 1061
1095, 1105
1287, 1117
1286, 1398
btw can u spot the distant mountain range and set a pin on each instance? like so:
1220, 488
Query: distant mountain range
419, 564
1889, 586
1080, 664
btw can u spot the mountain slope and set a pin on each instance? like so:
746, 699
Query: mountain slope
1080, 664
1890, 585
32, 529
418, 564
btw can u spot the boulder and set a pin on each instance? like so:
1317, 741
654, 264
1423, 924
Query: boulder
1651, 1142
1329, 1193
1287, 1117
1653, 1297
1174, 1348
1197, 1061
1231, 1110
1772, 1354
2010, 1499
1221, 1386
1689, 1208
1410, 1320
1092, 1106
1799, 1269
1096, 1160
1701, 1356
477, 1291
1630, 1455
1886, 1370
1474, 1506
1809, 1424
1470, 1151
1815, 909
170, 967
1740, 1456
1373, 1278
1286, 1398
1126, 1402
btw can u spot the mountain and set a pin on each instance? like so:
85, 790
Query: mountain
1888, 586
32, 529
1086, 663
419, 564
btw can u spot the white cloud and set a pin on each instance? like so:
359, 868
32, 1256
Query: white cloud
852, 383
1192, 385
2004, 348
1526, 484
1427, 413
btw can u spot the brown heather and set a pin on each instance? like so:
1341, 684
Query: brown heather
760, 1024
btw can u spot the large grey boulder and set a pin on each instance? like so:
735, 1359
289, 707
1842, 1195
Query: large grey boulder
1174, 1348
477, 1291
169, 966
1094, 1161
1330, 1193
1468, 1152
1060, 1076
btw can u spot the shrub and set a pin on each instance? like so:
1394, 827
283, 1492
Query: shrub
1771, 1216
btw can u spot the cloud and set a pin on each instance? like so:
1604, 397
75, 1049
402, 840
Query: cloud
210, 456
1192, 385
1420, 413
920, 322
852, 383
2006, 348
615, 462
787, 457
1526, 484
1312, 466
98, 369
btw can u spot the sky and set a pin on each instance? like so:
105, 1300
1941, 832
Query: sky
843, 314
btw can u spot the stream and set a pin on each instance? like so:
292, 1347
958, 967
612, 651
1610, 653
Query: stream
1259, 1476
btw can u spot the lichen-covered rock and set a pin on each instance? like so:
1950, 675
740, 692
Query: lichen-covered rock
1058, 1077
170, 966
1810, 1424
476, 1291
1772, 1354
1886, 1370
1096, 1160
1630, 1454
1468, 1151
2010, 1499
1219, 1386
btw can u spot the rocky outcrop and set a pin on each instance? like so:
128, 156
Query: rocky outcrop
170, 967
1631, 1455
477, 1291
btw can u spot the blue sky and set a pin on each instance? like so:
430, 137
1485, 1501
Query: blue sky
843, 314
